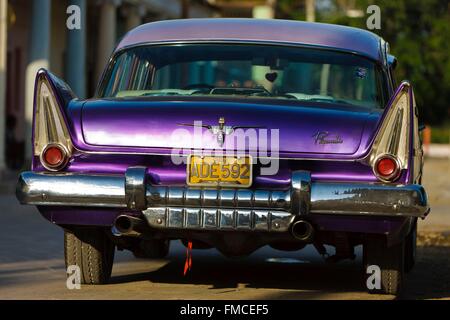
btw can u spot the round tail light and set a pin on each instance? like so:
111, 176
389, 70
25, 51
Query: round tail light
386, 168
54, 157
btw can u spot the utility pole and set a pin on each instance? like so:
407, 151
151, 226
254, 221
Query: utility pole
265, 11
3, 47
184, 9
310, 10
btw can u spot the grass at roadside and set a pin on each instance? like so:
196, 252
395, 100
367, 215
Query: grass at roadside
440, 134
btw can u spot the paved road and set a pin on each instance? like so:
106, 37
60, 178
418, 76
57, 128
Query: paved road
32, 266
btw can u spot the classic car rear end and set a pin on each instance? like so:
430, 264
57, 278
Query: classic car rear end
233, 134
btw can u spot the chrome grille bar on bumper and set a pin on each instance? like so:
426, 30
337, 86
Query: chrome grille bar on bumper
303, 197
220, 198
218, 219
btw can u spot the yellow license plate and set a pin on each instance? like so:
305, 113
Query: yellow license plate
219, 171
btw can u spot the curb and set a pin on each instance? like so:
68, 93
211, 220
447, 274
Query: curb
437, 151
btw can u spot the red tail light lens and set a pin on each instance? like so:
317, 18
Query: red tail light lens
54, 157
387, 168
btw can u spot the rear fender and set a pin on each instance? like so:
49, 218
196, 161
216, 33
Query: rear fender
50, 120
398, 135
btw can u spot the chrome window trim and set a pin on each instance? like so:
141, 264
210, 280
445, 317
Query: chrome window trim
101, 84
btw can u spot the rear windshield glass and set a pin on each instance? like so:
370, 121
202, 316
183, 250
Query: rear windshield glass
251, 71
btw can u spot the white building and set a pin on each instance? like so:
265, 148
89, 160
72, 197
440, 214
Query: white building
34, 34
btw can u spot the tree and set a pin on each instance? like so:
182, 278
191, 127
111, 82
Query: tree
419, 35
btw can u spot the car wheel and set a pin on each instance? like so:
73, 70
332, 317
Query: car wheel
152, 249
411, 248
92, 251
390, 261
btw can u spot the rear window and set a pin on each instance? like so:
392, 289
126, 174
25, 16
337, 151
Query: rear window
251, 71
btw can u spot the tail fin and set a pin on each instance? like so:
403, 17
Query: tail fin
51, 98
397, 135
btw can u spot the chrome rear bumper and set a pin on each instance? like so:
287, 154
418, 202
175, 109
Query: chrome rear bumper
167, 207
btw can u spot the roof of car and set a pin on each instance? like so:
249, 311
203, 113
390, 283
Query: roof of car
263, 30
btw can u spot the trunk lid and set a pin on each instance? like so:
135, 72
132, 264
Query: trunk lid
309, 128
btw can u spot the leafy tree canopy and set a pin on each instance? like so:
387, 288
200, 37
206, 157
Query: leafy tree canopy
418, 32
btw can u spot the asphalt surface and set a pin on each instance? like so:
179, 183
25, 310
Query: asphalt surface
32, 265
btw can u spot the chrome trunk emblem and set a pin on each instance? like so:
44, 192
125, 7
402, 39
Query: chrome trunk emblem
220, 131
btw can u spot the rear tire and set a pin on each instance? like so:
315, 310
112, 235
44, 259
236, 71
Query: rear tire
92, 251
390, 260
411, 248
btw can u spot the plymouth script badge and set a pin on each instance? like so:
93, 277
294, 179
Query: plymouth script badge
324, 137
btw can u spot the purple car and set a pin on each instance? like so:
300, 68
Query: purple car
233, 134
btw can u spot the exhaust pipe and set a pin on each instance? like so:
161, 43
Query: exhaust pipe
302, 230
128, 226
